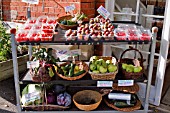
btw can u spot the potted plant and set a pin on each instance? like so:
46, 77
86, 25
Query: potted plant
6, 64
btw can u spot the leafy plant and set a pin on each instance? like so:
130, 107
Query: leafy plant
5, 44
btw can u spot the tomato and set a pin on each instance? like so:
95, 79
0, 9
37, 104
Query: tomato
31, 39
37, 39
145, 37
32, 21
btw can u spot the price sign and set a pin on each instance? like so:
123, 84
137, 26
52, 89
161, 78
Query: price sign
31, 97
33, 64
125, 82
102, 11
104, 83
70, 8
64, 54
31, 1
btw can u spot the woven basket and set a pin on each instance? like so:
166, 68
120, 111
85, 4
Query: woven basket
37, 78
77, 77
128, 109
105, 76
66, 27
130, 89
131, 75
86, 95
45, 106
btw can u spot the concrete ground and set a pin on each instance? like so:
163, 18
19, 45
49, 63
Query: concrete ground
7, 96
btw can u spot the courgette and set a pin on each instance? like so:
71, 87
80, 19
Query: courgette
71, 71
79, 73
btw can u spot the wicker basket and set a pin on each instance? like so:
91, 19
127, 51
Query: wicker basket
130, 89
66, 27
45, 106
131, 75
106, 76
77, 77
37, 78
128, 109
86, 95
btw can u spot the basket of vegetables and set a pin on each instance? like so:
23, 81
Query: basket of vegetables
72, 70
70, 22
45, 70
103, 68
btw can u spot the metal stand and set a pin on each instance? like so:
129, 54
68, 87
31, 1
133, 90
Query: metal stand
16, 74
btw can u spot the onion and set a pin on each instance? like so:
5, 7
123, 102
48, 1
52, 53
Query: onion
50, 98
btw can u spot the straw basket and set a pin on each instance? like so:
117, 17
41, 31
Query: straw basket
45, 106
105, 76
130, 89
66, 27
131, 75
128, 109
87, 96
85, 66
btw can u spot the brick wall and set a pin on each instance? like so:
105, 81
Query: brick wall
51, 7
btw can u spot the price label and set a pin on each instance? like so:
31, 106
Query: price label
102, 11
31, 97
125, 82
33, 64
119, 96
70, 8
104, 83
31, 1
64, 54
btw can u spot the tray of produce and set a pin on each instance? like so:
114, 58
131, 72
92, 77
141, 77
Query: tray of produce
72, 70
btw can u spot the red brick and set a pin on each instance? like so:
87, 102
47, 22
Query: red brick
88, 11
51, 10
88, 0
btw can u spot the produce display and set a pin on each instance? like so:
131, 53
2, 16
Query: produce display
57, 95
36, 30
32, 94
102, 66
72, 69
74, 20
131, 68
47, 65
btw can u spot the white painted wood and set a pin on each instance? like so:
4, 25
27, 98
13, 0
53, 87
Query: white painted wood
163, 55
109, 5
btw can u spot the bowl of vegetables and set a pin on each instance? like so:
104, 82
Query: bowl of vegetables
70, 22
72, 70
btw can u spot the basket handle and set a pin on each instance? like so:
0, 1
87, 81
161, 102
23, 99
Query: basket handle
131, 49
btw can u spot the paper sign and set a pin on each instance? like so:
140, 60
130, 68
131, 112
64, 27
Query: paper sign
102, 11
64, 54
31, 1
33, 64
104, 83
119, 96
125, 82
31, 97
70, 8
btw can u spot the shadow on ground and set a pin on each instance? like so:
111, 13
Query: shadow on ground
5, 111
7, 91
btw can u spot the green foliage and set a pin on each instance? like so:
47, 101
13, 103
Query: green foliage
5, 44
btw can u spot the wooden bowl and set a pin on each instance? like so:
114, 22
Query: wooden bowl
66, 27
87, 96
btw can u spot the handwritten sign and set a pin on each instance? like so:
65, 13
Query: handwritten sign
31, 1
31, 97
102, 11
125, 82
104, 83
33, 64
69, 8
